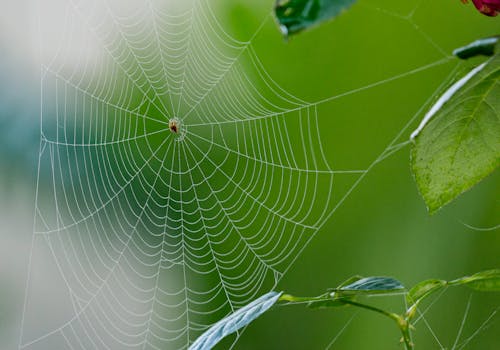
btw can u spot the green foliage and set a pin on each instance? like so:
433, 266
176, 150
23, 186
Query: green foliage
297, 15
423, 289
355, 286
372, 285
486, 281
461, 144
345, 294
455, 150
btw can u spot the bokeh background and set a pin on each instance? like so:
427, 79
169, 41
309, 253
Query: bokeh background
382, 228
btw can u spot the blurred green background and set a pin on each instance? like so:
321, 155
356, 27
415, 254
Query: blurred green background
382, 228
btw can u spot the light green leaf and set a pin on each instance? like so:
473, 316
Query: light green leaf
235, 321
486, 281
297, 15
423, 289
460, 145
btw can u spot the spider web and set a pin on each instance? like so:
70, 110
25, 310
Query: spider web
155, 235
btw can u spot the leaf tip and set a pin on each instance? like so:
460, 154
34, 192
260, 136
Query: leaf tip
284, 31
481, 47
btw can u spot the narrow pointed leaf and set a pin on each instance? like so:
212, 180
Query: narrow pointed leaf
486, 281
460, 145
297, 15
423, 290
235, 321
373, 285
357, 285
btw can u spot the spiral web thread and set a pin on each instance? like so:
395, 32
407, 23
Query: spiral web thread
155, 234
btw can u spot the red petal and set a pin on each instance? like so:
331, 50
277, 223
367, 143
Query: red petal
488, 7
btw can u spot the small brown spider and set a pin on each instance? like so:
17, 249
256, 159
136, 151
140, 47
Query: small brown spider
173, 125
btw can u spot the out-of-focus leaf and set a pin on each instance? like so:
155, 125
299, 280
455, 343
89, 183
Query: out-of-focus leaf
297, 15
485, 47
424, 289
460, 145
486, 281
235, 321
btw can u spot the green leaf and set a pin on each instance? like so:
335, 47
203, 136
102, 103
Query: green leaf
354, 286
235, 321
423, 290
485, 47
372, 285
297, 15
349, 289
486, 281
458, 142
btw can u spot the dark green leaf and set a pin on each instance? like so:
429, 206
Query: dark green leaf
297, 15
487, 281
423, 290
485, 47
460, 145
235, 321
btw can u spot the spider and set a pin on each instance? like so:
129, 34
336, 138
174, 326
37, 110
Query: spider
173, 125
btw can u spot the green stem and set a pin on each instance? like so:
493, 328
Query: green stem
293, 299
403, 324
391, 315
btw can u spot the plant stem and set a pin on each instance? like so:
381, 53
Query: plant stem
405, 331
391, 315
293, 299
403, 324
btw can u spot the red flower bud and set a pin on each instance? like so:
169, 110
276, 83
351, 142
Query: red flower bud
487, 7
